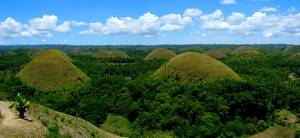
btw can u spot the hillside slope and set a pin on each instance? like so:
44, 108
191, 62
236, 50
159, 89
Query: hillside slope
41, 119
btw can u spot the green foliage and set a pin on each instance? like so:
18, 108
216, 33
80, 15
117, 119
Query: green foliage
216, 108
21, 105
53, 132
117, 124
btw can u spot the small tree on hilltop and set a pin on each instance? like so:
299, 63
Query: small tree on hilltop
21, 105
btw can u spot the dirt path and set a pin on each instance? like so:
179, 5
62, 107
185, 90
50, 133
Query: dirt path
12, 126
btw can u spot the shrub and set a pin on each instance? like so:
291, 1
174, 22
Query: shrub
21, 105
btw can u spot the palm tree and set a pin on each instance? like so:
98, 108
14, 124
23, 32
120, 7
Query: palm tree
21, 105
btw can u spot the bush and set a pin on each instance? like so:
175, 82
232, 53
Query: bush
21, 105
117, 124
250, 128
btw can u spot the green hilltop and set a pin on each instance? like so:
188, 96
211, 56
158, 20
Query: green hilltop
194, 67
51, 70
160, 53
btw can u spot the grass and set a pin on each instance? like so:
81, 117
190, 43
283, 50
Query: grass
160, 53
276, 132
292, 49
294, 57
51, 70
67, 125
111, 54
116, 124
195, 67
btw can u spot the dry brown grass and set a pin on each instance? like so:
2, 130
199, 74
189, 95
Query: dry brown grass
160, 53
195, 67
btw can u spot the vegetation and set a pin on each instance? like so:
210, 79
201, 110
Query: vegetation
63, 125
160, 53
111, 54
51, 70
245, 52
294, 57
216, 53
117, 124
292, 49
261, 102
276, 132
21, 105
195, 67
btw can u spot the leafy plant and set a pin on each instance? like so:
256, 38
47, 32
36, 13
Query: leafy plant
21, 105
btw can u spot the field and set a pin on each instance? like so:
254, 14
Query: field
240, 91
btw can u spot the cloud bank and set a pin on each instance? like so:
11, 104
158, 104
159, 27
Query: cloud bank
266, 21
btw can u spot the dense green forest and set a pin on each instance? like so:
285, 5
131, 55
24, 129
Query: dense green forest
123, 91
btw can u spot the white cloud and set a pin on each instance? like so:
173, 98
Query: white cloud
266, 22
66, 26
174, 22
192, 12
146, 25
268, 9
228, 2
36, 27
269, 25
10, 28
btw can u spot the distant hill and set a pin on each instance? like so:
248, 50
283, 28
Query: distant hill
51, 70
292, 49
44, 122
160, 53
195, 67
247, 52
216, 53
111, 54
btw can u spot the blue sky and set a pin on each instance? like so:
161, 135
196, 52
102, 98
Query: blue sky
149, 21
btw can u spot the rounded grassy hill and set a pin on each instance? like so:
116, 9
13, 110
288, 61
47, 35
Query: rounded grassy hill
216, 53
246, 52
195, 67
51, 70
111, 54
118, 54
160, 53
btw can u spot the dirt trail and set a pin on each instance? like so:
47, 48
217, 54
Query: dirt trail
12, 126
